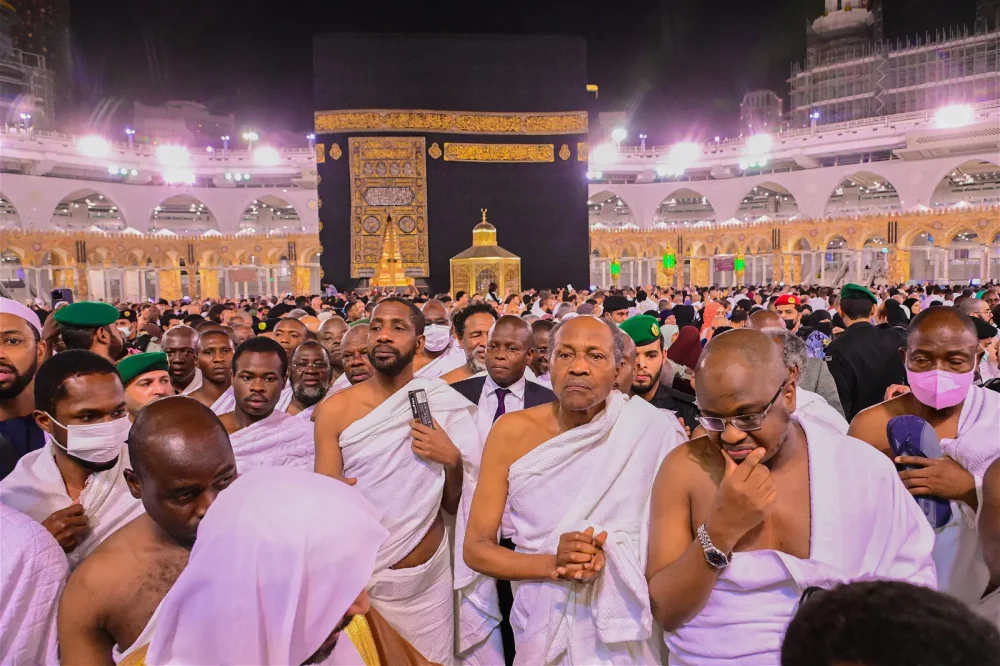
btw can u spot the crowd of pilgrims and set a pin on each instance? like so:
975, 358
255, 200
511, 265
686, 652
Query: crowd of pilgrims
759, 475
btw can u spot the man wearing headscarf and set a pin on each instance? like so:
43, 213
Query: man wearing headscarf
236, 577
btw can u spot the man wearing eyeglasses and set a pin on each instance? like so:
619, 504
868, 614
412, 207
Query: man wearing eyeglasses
747, 516
310, 374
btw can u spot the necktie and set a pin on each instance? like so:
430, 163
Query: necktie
501, 394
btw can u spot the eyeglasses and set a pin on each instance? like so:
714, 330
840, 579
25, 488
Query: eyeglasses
743, 422
315, 365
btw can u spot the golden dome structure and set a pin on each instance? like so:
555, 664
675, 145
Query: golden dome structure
485, 263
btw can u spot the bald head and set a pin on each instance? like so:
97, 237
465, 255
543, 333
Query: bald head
515, 326
435, 313
354, 349
933, 321
330, 334
178, 448
765, 319
975, 307
738, 361
180, 336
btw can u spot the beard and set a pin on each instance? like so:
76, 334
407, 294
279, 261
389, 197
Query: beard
473, 362
400, 360
640, 388
21, 380
309, 395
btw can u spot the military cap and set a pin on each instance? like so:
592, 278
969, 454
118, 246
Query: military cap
643, 329
984, 329
266, 325
614, 303
851, 290
789, 299
134, 365
129, 314
87, 314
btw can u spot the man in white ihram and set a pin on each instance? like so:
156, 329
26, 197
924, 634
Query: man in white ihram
765, 505
441, 353
367, 434
577, 475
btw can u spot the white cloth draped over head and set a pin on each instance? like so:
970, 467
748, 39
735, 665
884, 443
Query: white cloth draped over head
452, 357
280, 440
377, 451
813, 406
280, 557
961, 568
36, 487
597, 475
757, 594
33, 570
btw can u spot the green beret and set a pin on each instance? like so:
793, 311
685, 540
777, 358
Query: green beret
134, 365
851, 290
358, 322
643, 329
87, 314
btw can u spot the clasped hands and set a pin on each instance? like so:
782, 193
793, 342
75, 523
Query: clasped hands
580, 556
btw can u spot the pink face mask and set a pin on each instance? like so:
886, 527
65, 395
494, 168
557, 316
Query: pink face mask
939, 388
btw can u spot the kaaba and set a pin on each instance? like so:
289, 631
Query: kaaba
416, 134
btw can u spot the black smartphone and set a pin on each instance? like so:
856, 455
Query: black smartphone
420, 407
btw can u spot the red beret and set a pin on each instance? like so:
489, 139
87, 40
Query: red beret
788, 299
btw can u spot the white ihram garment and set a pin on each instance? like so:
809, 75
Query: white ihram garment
36, 487
195, 384
377, 451
226, 402
141, 641
33, 570
813, 406
598, 475
961, 568
452, 357
279, 559
280, 440
756, 596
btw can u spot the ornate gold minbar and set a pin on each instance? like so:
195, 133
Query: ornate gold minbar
473, 270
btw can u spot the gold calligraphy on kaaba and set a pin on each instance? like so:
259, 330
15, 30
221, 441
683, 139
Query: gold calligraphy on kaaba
388, 186
581, 151
452, 122
499, 152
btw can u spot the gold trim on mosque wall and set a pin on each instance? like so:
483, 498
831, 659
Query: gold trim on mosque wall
499, 152
451, 122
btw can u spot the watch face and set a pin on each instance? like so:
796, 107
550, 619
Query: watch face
716, 558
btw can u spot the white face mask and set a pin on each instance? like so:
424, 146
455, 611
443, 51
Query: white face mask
125, 330
95, 442
436, 337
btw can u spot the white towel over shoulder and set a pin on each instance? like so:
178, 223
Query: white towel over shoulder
744, 620
277, 441
598, 475
36, 487
452, 357
33, 570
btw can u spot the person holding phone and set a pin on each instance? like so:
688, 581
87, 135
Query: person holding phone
746, 516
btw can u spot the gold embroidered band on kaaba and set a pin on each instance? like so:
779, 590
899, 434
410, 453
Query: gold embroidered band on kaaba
451, 122
499, 152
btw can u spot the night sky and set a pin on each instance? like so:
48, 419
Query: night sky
679, 67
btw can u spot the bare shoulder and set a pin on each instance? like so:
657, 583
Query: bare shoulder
696, 460
344, 408
108, 574
456, 375
516, 433
869, 424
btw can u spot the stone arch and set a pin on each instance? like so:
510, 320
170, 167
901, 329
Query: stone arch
862, 192
799, 244
609, 208
86, 208
908, 236
269, 212
684, 206
312, 255
732, 247
9, 217
767, 199
183, 214
975, 182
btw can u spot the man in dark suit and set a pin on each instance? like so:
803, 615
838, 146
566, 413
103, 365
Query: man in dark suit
510, 347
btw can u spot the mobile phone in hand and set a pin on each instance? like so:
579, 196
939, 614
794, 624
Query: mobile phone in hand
420, 407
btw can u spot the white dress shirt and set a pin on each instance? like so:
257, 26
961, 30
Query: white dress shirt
488, 402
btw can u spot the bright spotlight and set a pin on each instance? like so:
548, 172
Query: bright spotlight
618, 134
594, 175
178, 175
266, 156
682, 156
93, 146
956, 115
605, 153
756, 151
173, 156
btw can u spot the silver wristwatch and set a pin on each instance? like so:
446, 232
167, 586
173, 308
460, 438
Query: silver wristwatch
715, 557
